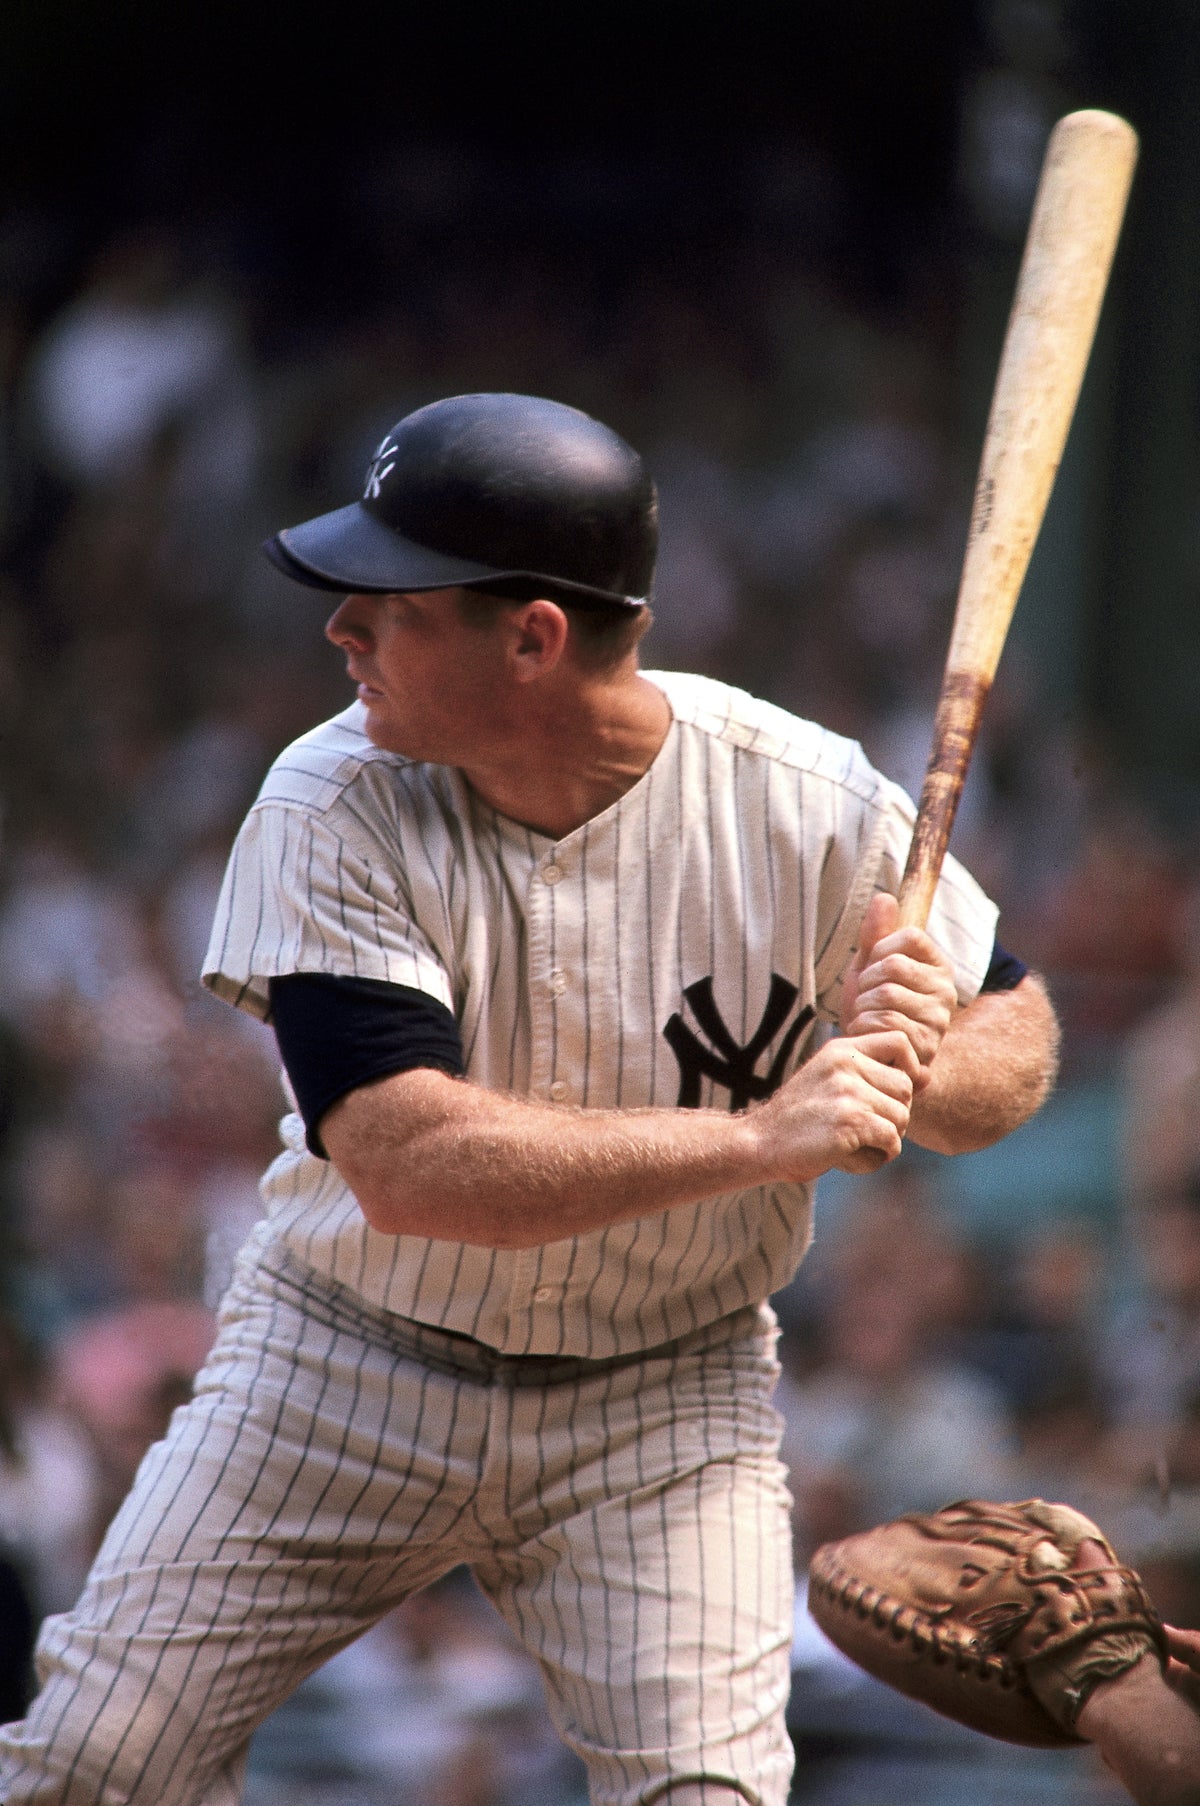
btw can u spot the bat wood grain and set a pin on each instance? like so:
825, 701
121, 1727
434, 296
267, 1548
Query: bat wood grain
1076, 221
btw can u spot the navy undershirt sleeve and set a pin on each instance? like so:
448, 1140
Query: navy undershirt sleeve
335, 1034
1005, 971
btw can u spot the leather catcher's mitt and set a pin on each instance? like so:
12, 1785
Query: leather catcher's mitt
974, 1609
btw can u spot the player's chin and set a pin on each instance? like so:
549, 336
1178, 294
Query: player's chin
383, 730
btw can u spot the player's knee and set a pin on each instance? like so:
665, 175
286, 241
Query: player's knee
111, 1734
104, 1764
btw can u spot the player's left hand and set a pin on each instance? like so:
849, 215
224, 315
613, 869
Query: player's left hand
899, 979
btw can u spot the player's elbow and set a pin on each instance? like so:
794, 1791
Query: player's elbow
1037, 1039
403, 1146
384, 1193
385, 1210
1001, 1068
378, 1137
428, 1210
418, 1206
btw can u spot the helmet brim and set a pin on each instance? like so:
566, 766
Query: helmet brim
350, 552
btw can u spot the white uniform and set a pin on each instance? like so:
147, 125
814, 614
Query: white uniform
589, 1422
742, 860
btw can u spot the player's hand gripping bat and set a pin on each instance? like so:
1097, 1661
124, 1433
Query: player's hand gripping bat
1069, 249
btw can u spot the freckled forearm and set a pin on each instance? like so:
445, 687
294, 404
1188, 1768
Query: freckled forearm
469, 1165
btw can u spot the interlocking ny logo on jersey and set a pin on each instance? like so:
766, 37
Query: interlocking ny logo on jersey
723, 1061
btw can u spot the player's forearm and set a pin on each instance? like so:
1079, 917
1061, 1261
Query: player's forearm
464, 1164
1148, 1735
995, 1067
426, 1154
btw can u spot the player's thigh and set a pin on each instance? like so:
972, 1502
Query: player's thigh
657, 1593
286, 1509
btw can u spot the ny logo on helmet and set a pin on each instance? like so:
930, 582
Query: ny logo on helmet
724, 1061
379, 469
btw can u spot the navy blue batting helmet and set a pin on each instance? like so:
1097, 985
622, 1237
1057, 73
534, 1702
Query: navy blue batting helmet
484, 489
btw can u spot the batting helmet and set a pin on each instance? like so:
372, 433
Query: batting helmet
481, 489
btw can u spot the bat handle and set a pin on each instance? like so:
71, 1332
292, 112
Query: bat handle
955, 732
956, 729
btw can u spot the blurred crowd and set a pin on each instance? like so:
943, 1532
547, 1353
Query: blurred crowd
1028, 1323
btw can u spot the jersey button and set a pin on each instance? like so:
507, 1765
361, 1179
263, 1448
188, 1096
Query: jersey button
542, 1293
558, 1090
551, 873
558, 982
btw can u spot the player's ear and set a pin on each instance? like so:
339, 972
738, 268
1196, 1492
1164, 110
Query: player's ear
540, 633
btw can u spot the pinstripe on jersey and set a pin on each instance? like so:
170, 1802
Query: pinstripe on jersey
577, 970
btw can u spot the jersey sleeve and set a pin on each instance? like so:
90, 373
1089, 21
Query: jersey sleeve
962, 917
301, 894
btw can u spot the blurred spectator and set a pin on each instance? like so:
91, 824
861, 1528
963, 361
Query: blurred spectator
120, 1374
48, 1480
192, 794
65, 928
695, 597
1106, 931
1152, 1365
143, 355
155, 1232
63, 1223
1041, 1338
1161, 1077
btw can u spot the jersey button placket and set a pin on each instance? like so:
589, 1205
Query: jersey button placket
551, 871
530, 1295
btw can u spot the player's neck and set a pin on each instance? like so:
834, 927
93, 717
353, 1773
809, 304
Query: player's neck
573, 764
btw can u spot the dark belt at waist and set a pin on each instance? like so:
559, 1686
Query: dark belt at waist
451, 1352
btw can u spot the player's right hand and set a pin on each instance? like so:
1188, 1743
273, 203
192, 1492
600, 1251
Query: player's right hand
846, 1108
1183, 1668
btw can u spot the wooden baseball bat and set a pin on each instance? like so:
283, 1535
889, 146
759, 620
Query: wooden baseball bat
1077, 214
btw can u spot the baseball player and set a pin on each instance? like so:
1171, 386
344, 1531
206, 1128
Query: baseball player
554, 950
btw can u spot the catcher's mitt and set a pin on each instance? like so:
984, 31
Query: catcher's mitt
976, 1610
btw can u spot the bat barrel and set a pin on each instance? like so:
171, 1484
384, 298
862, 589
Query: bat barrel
1073, 231
1076, 220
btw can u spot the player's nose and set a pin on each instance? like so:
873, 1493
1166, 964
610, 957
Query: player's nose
347, 626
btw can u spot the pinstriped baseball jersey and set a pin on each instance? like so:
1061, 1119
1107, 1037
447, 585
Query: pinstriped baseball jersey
683, 948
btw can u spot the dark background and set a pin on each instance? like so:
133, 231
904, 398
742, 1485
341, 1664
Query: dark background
619, 135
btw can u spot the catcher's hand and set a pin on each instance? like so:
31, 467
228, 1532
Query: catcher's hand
976, 1610
1183, 1669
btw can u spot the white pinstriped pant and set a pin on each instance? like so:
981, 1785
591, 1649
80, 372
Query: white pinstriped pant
629, 1519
